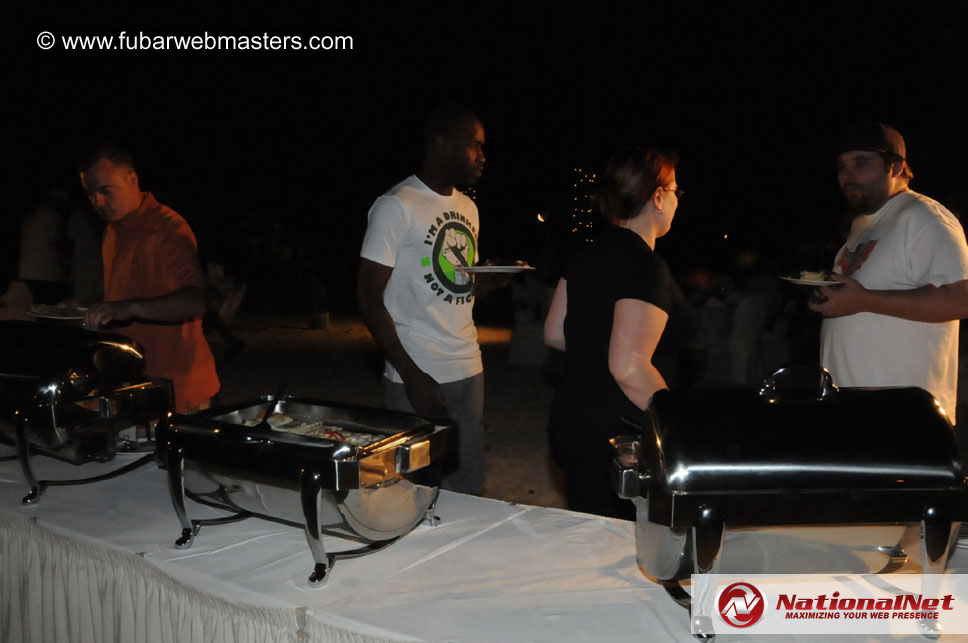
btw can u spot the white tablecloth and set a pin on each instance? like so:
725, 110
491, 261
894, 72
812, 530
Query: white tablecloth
97, 563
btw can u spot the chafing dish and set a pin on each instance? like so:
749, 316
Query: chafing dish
67, 392
796, 451
360, 473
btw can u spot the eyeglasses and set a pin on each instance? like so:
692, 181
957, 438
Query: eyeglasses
679, 191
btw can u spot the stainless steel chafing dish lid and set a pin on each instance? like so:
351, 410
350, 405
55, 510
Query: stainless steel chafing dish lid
788, 435
34, 356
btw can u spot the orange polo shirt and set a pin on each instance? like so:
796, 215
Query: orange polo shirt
153, 252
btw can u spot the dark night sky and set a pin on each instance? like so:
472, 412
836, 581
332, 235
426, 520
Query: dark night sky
288, 149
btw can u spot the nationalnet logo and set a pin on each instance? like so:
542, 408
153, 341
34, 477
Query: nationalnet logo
845, 604
901, 606
741, 605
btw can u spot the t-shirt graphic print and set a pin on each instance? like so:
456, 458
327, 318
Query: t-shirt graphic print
453, 243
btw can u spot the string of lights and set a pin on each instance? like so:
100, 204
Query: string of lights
583, 211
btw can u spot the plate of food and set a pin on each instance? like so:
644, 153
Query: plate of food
62, 313
485, 268
811, 278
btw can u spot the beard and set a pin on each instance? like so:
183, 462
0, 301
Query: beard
864, 199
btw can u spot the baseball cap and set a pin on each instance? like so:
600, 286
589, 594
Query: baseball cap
874, 137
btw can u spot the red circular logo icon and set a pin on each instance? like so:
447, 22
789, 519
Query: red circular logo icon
741, 605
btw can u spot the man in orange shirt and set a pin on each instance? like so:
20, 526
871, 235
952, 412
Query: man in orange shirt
153, 280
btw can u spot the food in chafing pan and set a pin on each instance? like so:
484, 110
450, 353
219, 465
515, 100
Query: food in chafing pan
317, 429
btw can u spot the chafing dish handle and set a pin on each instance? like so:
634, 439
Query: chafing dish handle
413, 456
421, 450
798, 384
627, 480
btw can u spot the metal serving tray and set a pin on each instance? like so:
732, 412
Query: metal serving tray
373, 493
796, 451
67, 392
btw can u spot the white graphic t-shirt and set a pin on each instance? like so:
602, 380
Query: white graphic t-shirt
911, 241
424, 236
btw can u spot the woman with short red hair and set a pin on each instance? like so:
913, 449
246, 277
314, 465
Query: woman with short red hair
608, 314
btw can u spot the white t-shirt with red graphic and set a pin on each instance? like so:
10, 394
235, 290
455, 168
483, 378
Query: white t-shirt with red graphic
911, 241
424, 236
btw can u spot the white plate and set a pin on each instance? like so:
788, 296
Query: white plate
64, 313
810, 282
493, 269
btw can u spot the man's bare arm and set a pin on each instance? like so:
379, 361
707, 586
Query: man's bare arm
180, 305
423, 390
925, 304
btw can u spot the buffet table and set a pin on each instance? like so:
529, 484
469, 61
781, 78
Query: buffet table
97, 563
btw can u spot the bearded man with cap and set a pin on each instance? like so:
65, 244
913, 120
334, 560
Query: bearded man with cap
903, 271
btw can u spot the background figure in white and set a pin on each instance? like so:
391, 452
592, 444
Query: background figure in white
84, 232
41, 241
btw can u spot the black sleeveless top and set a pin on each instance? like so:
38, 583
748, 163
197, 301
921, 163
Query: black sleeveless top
618, 265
